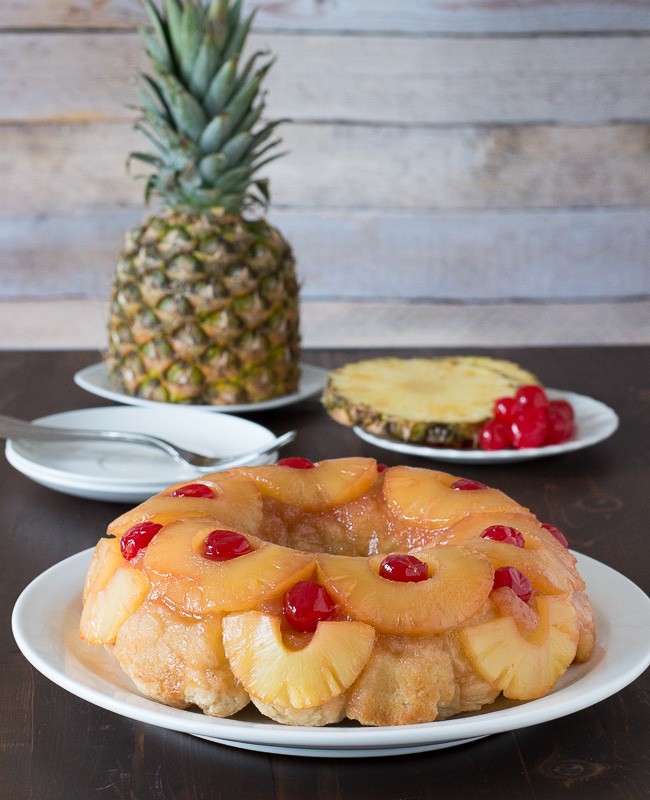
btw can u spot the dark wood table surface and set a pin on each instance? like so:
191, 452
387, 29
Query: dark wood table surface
55, 746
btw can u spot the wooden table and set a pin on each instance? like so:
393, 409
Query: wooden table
54, 745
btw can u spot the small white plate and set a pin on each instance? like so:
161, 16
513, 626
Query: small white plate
120, 472
94, 379
594, 422
46, 627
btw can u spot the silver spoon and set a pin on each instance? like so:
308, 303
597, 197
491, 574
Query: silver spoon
12, 428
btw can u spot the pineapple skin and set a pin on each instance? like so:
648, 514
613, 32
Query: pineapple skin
204, 310
385, 409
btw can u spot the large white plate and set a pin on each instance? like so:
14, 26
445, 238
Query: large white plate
46, 627
94, 379
594, 422
119, 472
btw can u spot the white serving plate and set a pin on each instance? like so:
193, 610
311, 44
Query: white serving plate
121, 472
94, 379
46, 627
594, 422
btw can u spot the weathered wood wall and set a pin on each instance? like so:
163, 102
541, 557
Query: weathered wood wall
445, 150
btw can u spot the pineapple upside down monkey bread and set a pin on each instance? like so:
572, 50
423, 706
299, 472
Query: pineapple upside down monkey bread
337, 589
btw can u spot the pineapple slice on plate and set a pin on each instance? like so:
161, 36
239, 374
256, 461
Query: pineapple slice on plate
204, 300
437, 499
233, 501
458, 585
105, 610
196, 585
310, 676
525, 666
327, 484
439, 402
107, 557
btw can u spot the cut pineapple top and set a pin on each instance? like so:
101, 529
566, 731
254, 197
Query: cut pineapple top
452, 390
440, 402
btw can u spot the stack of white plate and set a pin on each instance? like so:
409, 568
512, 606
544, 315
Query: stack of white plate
126, 473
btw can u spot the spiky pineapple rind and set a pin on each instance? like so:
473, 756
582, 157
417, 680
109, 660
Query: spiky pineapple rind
204, 309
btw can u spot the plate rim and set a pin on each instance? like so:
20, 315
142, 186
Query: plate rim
484, 457
314, 372
361, 740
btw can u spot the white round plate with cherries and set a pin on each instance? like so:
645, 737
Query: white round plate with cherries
577, 421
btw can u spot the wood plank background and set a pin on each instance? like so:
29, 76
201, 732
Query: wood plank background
461, 151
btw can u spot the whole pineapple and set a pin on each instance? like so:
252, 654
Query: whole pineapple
204, 301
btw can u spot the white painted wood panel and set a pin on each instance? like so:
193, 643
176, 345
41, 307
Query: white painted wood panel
446, 150
81, 324
416, 16
473, 256
380, 79
81, 168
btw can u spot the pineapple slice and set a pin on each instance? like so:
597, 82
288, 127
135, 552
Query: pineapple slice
435, 401
549, 565
547, 573
196, 585
329, 483
525, 667
236, 504
459, 584
311, 676
106, 609
107, 557
426, 496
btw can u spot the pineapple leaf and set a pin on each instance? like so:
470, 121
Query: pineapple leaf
150, 188
262, 185
240, 31
207, 61
233, 178
154, 103
236, 147
191, 34
174, 15
217, 19
157, 53
248, 67
263, 134
186, 111
251, 119
221, 88
163, 51
240, 104
212, 166
147, 158
215, 133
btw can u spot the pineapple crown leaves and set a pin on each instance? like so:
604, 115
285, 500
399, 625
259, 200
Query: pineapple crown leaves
201, 109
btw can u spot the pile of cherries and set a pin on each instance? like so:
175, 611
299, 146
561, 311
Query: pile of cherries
529, 419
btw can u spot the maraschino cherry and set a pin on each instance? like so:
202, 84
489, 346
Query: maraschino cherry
296, 462
467, 485
403, 568
505, 534
306, 604
193, 490
137, 538
515, 580
224, 545
556, 532
529, 419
